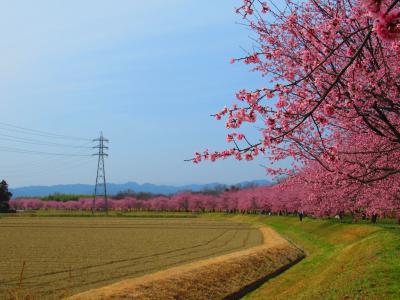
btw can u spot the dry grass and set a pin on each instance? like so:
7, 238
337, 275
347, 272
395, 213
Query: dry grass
64, 256
216, 278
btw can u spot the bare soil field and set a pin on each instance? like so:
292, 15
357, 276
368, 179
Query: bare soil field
58, 256
228, 276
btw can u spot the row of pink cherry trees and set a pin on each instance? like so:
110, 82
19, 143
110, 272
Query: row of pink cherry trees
291, 196
253, 200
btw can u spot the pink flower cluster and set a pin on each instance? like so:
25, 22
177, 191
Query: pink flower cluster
386, 18
388, 25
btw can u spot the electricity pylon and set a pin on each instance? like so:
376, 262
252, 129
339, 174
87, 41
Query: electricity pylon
101, 172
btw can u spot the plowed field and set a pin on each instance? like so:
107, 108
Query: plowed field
64, 256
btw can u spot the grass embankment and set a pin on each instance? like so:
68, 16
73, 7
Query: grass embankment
344, 261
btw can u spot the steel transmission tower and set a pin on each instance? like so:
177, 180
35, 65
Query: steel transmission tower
101, 172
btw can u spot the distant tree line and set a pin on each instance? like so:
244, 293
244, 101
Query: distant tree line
60, 197
215, 190
137, 195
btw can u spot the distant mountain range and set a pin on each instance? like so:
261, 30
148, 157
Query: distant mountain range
113, 188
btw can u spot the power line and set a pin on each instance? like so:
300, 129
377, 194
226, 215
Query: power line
37, 166
17, 139
31, 141
24, 151
25, 130
40, 161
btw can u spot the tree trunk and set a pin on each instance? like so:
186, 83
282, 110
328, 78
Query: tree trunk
341, 216
374, 218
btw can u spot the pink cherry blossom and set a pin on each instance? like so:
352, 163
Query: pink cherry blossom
330, 101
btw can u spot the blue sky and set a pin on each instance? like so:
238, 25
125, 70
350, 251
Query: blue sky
147, 73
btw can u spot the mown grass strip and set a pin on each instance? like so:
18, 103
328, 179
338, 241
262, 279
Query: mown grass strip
344, 261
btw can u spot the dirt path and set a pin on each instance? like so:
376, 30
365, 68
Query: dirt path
225, 277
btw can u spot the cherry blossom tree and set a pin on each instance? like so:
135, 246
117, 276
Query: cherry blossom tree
331, 99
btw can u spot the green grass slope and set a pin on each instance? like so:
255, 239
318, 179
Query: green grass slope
344, 261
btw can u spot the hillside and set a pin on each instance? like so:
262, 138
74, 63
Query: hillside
114, 188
